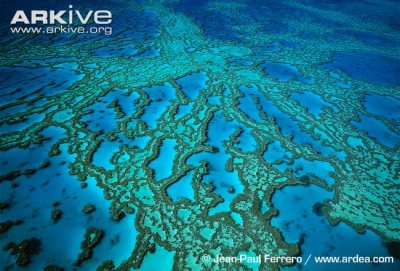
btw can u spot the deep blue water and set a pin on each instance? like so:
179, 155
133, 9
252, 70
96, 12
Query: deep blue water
370, 67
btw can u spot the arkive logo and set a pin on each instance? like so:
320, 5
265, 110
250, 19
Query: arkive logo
51, 16
75, 19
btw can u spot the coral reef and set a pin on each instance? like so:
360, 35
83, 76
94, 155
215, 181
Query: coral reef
91, 240
191, 120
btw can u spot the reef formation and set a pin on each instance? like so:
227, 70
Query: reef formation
190, 116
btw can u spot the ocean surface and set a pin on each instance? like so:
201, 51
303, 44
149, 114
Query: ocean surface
198, 130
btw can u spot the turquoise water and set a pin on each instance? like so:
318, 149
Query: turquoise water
192, 84
201, 128
163, 164
182, 189
60, 241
